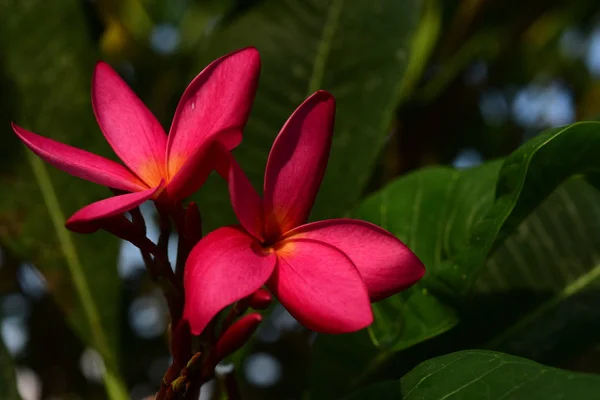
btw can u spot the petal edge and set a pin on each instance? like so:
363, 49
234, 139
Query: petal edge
224, 267
320, 287
86, 219
128, 125
386, 264
80, 163
246, 203
297, 163
214, 106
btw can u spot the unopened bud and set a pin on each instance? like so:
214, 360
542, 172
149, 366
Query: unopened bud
260, 299
236, 335
121, 227
118, 225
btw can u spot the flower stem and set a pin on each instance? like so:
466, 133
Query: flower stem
183, 250
165, 231
159, 266
231, 385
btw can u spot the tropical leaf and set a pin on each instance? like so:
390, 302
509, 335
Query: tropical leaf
453, 220
432, 211
547, 275
478, 374
426, 210
504, 222
47, 65
357, 50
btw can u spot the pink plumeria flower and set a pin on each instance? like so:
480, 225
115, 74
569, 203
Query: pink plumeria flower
324, 273
213, 109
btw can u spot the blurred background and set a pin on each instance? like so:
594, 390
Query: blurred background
427, 82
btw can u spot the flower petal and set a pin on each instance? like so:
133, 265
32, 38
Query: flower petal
86, 220
130, 128
320, 287
80, 163
385, 263
226, 266
192, 175
297, 163
246, 203
215, 105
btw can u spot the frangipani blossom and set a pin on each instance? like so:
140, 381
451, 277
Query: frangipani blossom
213, 109
324, 273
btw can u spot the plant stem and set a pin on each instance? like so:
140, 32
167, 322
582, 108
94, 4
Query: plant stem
159, 267
231, 385
183, 249
165, 231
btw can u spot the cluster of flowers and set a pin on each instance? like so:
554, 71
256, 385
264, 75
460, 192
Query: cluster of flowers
326, 273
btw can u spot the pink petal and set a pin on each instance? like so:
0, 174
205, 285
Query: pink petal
320, 287
297, 163
226, 266
86, 220
385, 263
215, 105
246, 203
80, 163
192, 175
129, 127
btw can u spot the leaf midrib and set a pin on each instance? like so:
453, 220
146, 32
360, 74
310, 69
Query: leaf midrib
571, 289
68, 249
115, 387
324, 46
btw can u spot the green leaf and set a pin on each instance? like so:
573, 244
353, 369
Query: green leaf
415, 208
8, 383
478, 374
432, 211
423, 44
453, 220
547, 274
340, 363
357, 50
47, 64
536, 295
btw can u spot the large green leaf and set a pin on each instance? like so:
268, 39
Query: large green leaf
358, 50
454, 219
8, 384
478, 374
546, 276
538, 289
46, 69
416, 208
432, 211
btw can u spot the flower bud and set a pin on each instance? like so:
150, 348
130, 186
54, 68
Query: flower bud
118, 225
236, 335
260, 299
